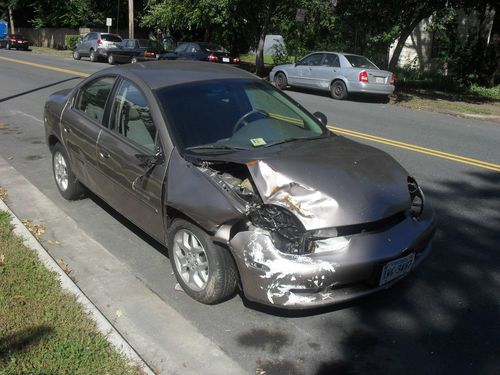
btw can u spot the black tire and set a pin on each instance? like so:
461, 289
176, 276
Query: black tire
76, 55
93, 56
111, 60
72, 189
280, 80
338, 90
221, 275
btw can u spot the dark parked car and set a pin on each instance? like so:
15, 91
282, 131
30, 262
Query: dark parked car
96, 46
242, 184
16, 41
135, 50
202, 52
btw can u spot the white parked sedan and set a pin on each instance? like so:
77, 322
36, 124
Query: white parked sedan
339, 73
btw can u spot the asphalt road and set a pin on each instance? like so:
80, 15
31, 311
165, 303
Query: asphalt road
442, 319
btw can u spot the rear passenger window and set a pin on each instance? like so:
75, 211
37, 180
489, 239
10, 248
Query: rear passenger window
132, 117
92, 98
331, 60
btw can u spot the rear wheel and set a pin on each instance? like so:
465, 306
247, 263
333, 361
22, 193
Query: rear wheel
66, 182
338, 90
93, 56
133, 60
8, 46
205, 271
76, 55
280, 81
111, 60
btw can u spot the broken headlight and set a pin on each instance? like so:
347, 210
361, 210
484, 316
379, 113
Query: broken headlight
287, 232
416, 198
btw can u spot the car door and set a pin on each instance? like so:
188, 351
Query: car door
301, 74
81, 124
130, 186
323, 74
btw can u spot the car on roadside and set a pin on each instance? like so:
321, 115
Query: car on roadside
201, 51
96, 46
339, 73
243, 185
16, 41
135, 50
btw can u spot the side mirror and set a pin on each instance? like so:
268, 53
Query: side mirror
321, 117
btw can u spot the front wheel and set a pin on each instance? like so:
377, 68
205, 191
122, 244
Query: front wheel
204, 270
76, 55
8, 46
134, 60
66, 182
111, 60
339, 90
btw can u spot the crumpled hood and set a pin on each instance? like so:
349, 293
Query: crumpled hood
331, 182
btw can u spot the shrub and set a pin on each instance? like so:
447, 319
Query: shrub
280, 54
70, 41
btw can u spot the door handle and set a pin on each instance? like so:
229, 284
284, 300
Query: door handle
103, 155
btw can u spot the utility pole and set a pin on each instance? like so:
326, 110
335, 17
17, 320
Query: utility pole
117, 15
131, 19
11, 19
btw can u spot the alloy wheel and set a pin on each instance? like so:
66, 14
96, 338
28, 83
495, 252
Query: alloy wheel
190, 260
61, 171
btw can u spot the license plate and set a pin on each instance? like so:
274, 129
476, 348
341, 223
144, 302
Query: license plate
226, 59
396, 268
379, 80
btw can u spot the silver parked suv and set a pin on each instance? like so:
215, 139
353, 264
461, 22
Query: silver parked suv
96, 45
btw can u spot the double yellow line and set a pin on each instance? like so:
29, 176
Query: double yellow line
48, 67
419, 149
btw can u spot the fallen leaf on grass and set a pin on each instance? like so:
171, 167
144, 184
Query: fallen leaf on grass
2, 259
36, 230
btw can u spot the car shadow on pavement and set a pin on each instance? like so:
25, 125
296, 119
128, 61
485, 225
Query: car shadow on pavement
444, 318
37, 89
353, 97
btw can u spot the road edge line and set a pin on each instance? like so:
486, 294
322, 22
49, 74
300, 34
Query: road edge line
102, 323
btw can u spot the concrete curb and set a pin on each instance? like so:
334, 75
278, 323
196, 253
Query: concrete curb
103, 325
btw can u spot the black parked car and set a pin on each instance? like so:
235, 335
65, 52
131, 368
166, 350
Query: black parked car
135, 50
201, 51
240, 182
16, 41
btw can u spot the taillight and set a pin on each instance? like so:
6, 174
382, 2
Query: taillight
236, 60
149, 54
392, 81
212, 58
13, 40
99, 42
363, 76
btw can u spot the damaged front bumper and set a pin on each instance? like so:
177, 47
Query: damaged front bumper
289, 281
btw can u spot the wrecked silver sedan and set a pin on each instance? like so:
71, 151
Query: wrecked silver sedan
242, 184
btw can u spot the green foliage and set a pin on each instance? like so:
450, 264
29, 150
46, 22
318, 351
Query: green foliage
70, 41
280, 54
485, 92
65, 13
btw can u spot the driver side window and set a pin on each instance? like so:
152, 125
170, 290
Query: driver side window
312, 60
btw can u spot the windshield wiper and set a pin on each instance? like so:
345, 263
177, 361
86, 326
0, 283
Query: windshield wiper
212, 146
295, 139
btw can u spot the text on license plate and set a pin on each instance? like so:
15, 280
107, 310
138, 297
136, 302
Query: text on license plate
396, 268
379, 80
225, 59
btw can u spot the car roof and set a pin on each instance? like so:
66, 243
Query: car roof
159, 74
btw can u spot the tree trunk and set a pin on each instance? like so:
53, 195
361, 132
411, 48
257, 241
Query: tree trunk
491, 67
405, 33
11, 19
131, 19
259, 57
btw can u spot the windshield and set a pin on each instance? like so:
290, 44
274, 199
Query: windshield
111, 38
360, 62
229, 115
146, 43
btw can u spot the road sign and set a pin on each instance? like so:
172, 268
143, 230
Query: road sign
109, 21
301, 14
